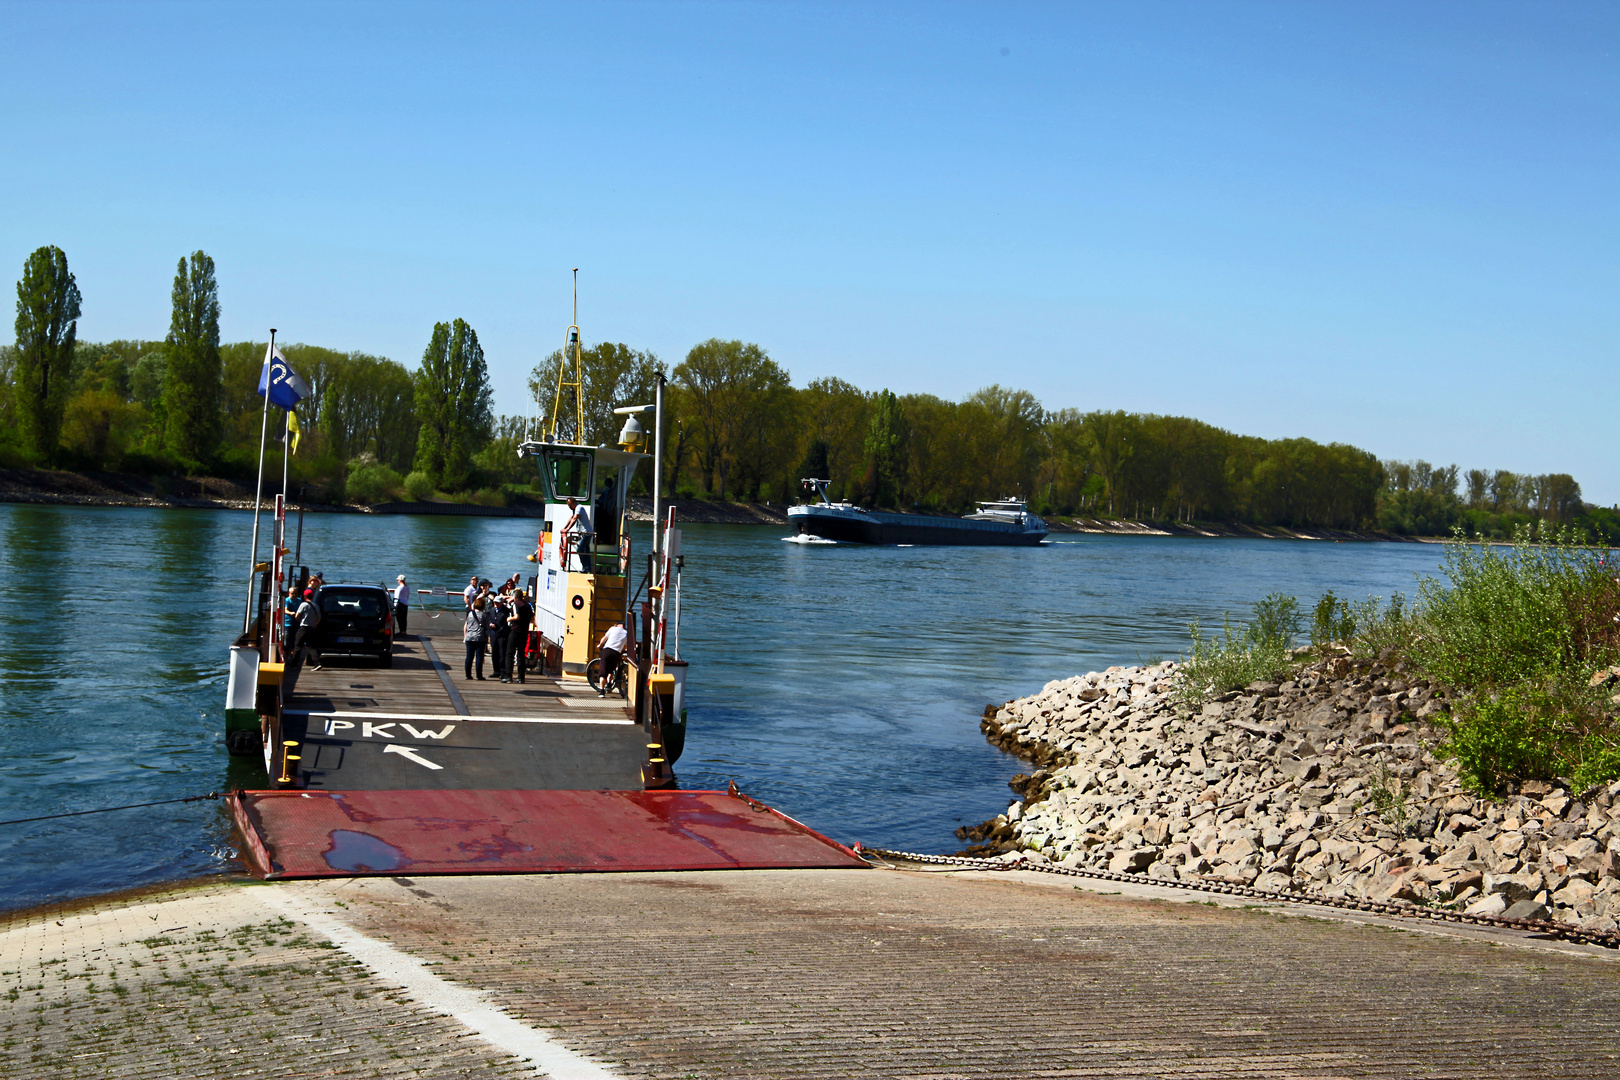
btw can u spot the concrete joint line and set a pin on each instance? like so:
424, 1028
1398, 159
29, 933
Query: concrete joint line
463, 1004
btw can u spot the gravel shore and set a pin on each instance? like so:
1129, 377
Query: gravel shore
1327, 783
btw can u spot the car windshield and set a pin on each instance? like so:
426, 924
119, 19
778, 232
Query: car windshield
345, 603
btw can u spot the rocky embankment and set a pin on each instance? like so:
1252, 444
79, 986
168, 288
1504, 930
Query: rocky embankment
1327, 783
711, 513
1128, 527
119, 489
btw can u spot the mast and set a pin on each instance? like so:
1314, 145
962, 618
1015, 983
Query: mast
577, 384
258, 492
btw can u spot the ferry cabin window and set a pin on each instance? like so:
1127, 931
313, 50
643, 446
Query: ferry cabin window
568, 474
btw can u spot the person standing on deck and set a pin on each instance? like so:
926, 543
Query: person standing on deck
612, 650
402, 605
576, 533
500, 635
289, 623
522, 619
308, 617
470, 593
476, 634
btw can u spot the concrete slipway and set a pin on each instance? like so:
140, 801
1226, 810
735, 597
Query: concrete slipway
779, 973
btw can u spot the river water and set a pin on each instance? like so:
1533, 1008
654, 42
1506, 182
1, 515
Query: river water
842, 685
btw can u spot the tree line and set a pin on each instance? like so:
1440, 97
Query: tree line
370, 428
735, 426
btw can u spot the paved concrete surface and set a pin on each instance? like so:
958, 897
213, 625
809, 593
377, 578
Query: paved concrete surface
789, 974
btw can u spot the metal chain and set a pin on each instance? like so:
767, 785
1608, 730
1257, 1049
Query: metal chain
1564, 931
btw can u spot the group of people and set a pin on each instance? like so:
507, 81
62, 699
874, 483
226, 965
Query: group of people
300, 612
498, 621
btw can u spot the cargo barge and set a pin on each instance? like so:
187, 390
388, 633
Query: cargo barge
1004, 522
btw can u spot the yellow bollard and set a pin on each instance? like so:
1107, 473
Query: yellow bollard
287, 756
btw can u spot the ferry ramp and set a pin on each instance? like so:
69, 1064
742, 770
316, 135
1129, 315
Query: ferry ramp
415, 769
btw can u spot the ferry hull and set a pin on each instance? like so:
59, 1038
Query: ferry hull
862, 527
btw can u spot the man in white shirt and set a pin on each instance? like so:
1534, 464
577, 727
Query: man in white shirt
576, 534
611, 649
470, 593
402, 605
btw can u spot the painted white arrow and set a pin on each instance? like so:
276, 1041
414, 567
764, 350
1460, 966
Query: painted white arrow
412, 754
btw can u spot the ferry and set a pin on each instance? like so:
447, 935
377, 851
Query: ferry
407, 767
1005, 522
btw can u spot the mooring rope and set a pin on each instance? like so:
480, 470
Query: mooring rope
109, 809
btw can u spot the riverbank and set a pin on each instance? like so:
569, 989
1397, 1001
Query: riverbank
63, 488
54, 486
60, 487
1327, 783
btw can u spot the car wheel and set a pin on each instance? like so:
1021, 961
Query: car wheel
386, 659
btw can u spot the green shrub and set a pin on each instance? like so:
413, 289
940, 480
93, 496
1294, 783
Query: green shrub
1259, 651
1506, 615
1502, 738
1332, 621
370, 481
419, 486
1518, 634
1276, 621
1380, 631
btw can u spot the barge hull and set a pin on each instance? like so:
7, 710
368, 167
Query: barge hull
312, 834
890, 529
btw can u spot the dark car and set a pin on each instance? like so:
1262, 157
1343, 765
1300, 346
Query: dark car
356, 620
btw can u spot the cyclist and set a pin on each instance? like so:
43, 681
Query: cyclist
611, 648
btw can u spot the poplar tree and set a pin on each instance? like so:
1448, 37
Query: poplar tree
887, 441
191, 387
47, 327
453, 405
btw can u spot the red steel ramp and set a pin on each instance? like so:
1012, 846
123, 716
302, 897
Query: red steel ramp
302, 834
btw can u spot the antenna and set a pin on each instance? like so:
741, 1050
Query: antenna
571, 344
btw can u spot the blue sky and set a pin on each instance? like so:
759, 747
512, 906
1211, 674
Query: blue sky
1392, 225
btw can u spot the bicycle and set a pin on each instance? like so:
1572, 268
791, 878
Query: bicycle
617, 681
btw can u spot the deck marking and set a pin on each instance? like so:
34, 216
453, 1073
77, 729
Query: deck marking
393, 748
441, 669
470, 1007
369, 729
428, 733
335, 720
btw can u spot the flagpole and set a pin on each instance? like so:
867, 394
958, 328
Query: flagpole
258, 491
286, 447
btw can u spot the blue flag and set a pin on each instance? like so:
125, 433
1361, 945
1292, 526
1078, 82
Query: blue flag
287, 388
